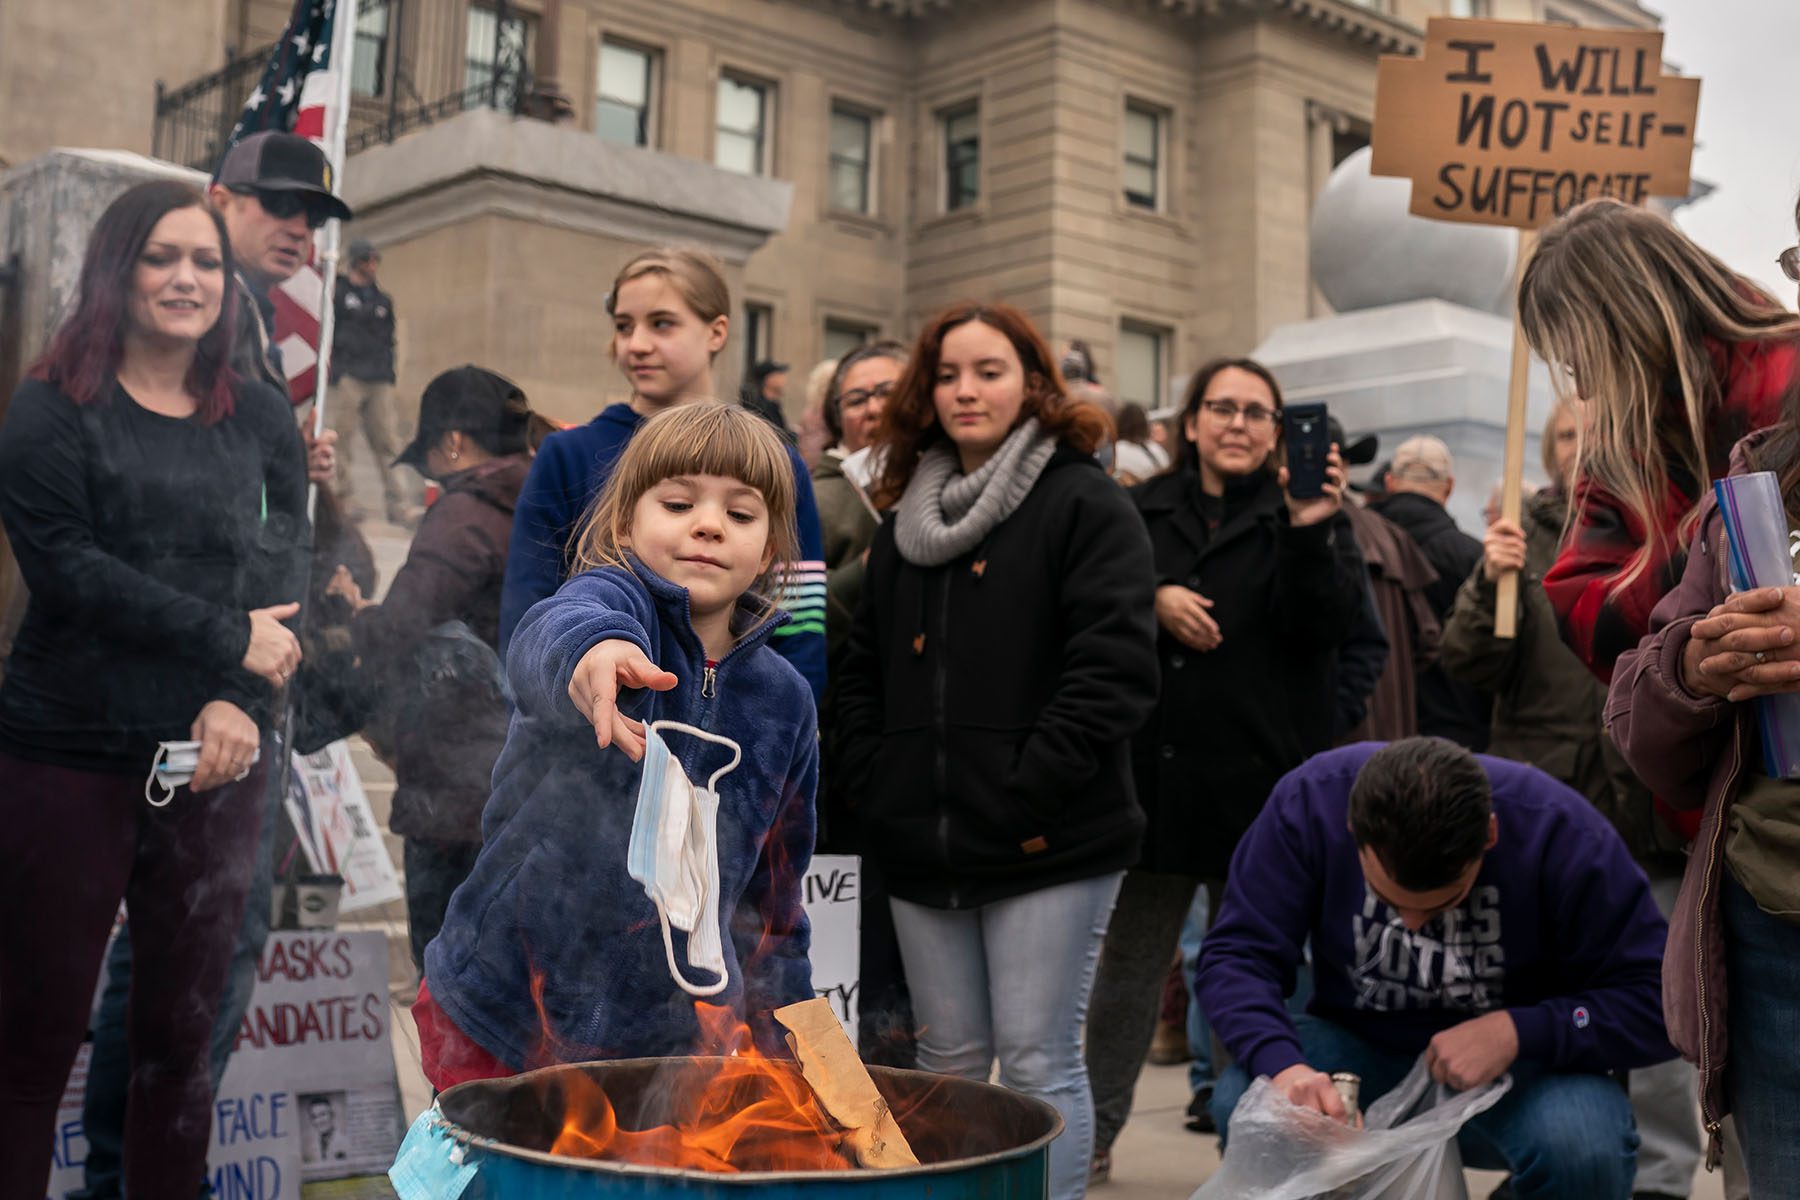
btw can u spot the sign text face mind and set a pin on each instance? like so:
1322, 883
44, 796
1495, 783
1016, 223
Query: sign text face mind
1506, 123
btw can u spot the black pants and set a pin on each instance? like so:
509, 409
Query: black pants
433, 871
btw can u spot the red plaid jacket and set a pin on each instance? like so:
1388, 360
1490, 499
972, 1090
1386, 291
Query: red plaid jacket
1599, 624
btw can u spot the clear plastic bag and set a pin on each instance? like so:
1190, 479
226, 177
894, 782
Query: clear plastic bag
1406, 1149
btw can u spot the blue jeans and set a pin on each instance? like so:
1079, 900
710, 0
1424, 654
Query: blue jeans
1199, 1034
1762, 1064
1562, 1136
109, 1069
1011, 980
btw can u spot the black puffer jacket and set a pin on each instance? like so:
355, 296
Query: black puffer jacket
986, 705
1233, 720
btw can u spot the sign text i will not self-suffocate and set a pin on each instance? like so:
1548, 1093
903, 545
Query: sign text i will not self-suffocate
1511, 124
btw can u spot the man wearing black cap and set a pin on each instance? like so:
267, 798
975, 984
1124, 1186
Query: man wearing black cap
763, 391
362, 380
273, 190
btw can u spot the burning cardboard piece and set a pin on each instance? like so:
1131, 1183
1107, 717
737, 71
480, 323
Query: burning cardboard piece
830, 1064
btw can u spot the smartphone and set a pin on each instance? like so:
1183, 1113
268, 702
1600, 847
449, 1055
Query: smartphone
1307, 434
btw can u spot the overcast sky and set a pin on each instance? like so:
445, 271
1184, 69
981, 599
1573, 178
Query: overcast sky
1749, 142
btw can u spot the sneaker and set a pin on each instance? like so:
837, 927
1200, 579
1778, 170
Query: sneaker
1199, 1112
1169, 1047
1100, 1167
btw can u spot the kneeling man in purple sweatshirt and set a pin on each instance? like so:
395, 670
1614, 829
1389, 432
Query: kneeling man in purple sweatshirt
1470, 909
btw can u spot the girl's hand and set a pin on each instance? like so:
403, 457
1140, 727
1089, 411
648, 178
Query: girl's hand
228, 740
274, 651
1316, 509
1183, 613
594, 690
1745, 647
1503, 550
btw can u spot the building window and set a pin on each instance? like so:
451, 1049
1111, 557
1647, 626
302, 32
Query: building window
624, 90
841, 337
961, 128
497, 53
1142, 364
368, 60
1143, 156
1469, 8
759, 328
742, 143
851, 136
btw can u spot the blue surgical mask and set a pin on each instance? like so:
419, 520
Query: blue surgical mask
174, 767
674, 852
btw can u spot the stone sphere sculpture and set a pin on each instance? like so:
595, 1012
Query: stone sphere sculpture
1368, 251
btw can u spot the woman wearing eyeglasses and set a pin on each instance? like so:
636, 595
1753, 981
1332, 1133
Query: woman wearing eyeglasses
853, 403
1255, 591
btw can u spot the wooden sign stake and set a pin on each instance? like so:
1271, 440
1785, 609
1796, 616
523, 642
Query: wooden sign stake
1518, 391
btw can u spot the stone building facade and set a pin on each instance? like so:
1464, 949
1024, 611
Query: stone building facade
1138, 175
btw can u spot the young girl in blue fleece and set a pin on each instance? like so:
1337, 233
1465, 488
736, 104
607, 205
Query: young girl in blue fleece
551, 951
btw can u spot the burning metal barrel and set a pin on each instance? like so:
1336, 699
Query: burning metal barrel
706, 1127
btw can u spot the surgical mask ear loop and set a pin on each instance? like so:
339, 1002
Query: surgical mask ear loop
162, 752
737, 752
712, 785
708, 989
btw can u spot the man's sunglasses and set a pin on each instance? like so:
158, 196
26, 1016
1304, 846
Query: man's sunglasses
1790, 263
284, 205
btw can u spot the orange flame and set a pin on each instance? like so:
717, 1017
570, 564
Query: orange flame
753, 1114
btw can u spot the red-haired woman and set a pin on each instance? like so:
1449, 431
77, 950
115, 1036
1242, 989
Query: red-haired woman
156, 505
1003, 655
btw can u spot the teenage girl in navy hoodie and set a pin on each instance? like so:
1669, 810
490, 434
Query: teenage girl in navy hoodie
670, 313
661, 624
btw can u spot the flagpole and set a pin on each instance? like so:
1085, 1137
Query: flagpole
343, 40
343, 36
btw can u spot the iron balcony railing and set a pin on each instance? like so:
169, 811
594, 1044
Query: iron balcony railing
415, 62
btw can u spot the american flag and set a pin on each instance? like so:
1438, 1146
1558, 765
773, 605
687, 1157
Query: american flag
292, 96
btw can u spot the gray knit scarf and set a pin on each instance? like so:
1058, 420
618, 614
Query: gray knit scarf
945, 514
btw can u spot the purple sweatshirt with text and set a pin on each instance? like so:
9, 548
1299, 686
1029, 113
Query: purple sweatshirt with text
1559, 929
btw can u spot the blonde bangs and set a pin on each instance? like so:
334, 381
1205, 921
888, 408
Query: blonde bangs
705, 438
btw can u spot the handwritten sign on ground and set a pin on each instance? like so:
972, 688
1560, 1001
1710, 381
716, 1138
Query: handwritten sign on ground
832, 894
1505, 123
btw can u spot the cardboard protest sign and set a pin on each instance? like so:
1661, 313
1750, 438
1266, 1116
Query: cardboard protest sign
1506, 123
833, 898
337, 828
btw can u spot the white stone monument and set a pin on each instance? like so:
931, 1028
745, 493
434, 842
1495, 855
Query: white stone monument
1422, 338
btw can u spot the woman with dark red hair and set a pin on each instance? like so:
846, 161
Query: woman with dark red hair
157, 507
1003, 655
